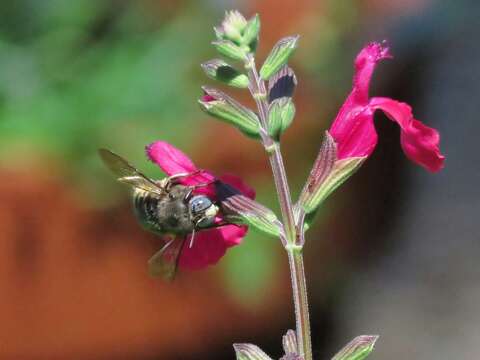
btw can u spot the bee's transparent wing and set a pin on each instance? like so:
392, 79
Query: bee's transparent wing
165, 261
128, 174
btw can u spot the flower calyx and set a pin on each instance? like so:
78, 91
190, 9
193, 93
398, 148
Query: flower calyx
328, 173
220, 70
223, 107
238, 208
278, 56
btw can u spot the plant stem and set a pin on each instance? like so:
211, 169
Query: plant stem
292, 245
299, 286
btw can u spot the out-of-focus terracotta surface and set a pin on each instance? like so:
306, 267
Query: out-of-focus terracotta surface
73, 283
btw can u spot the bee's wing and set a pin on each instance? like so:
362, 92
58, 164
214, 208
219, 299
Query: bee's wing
128, 174
165, 261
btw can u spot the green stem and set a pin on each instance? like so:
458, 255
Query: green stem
300, 299
292, 245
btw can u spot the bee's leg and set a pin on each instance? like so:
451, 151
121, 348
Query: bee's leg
192, 238
171, 180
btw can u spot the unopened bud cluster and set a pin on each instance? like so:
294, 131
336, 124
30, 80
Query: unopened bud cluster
272, 88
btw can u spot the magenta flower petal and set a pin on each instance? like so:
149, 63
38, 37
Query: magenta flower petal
353, 129
419, 142
172, 161
209, 246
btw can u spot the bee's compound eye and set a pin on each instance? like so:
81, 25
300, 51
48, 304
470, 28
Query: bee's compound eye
199, 204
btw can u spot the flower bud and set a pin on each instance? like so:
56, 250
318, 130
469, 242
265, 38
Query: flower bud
250, 35
249, 352
219, 70
223, 107
280, 116
282, 84
230, 50
233, 26
289, 342
357, 349
278, 56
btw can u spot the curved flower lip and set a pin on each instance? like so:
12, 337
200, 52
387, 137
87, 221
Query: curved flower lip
353, 128
210, 244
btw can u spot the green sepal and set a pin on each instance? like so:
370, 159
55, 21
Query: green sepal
223, 107
278, 56
250, 352
280, 116
357, 349
340, 172
250, 34
240, 209
230, 50
220, 70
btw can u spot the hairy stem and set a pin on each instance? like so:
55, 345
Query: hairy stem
291, 243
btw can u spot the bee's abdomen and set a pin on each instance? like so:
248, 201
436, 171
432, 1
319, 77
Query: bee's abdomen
146, 209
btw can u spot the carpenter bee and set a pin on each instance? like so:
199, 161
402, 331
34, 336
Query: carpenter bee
166, 208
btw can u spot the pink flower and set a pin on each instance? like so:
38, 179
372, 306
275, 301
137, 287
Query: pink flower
209, 244
353, 129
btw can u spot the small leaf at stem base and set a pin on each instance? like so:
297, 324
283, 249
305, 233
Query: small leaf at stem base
250, 352
357, 349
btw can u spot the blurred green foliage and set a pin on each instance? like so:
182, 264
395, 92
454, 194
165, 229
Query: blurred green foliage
79, 75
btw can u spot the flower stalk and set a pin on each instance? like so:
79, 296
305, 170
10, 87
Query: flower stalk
347, 144
292, 245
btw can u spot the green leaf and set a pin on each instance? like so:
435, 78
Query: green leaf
223, 107
280, 116
357, 349
250, 352
279, 56
220, 70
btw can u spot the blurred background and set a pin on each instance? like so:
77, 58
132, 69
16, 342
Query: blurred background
395, 252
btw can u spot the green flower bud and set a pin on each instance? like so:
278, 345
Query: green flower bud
278, 56
230, 50
233, 26
249, 352
220, 70
357, 349
250, 35
280, 116
223, 107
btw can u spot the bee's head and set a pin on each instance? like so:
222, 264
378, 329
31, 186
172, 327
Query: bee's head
203, 210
